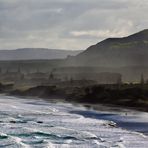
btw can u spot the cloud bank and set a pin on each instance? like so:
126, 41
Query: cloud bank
68, 24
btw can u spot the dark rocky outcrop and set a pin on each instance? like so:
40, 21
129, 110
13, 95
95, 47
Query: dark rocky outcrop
127, 95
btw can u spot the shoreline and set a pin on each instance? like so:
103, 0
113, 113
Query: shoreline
62, 122
101, 112
85, 104
131, 97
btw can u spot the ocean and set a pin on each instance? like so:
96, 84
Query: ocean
36, 123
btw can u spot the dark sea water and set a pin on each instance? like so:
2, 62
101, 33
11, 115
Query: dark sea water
38, 124
127, 119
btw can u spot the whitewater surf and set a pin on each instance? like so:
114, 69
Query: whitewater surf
37, 123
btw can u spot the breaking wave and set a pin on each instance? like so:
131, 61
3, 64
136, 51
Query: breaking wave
36, 123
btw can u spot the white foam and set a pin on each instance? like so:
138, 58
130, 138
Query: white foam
29, 123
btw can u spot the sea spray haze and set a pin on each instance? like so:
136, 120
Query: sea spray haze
78, 71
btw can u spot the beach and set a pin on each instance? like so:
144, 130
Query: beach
40, 123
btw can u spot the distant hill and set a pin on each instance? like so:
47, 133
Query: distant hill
36, 54
127, 56
116, 52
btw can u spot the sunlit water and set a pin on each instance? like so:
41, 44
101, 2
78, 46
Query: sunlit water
39, 124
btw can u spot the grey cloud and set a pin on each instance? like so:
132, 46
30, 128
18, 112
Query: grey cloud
68, 23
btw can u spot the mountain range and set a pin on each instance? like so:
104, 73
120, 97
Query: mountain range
127, 56
36, 54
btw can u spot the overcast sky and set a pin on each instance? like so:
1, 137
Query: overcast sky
68, 24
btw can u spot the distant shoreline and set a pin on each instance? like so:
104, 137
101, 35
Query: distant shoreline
131, 96
135, 97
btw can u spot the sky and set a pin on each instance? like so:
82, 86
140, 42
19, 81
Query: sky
68, 24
